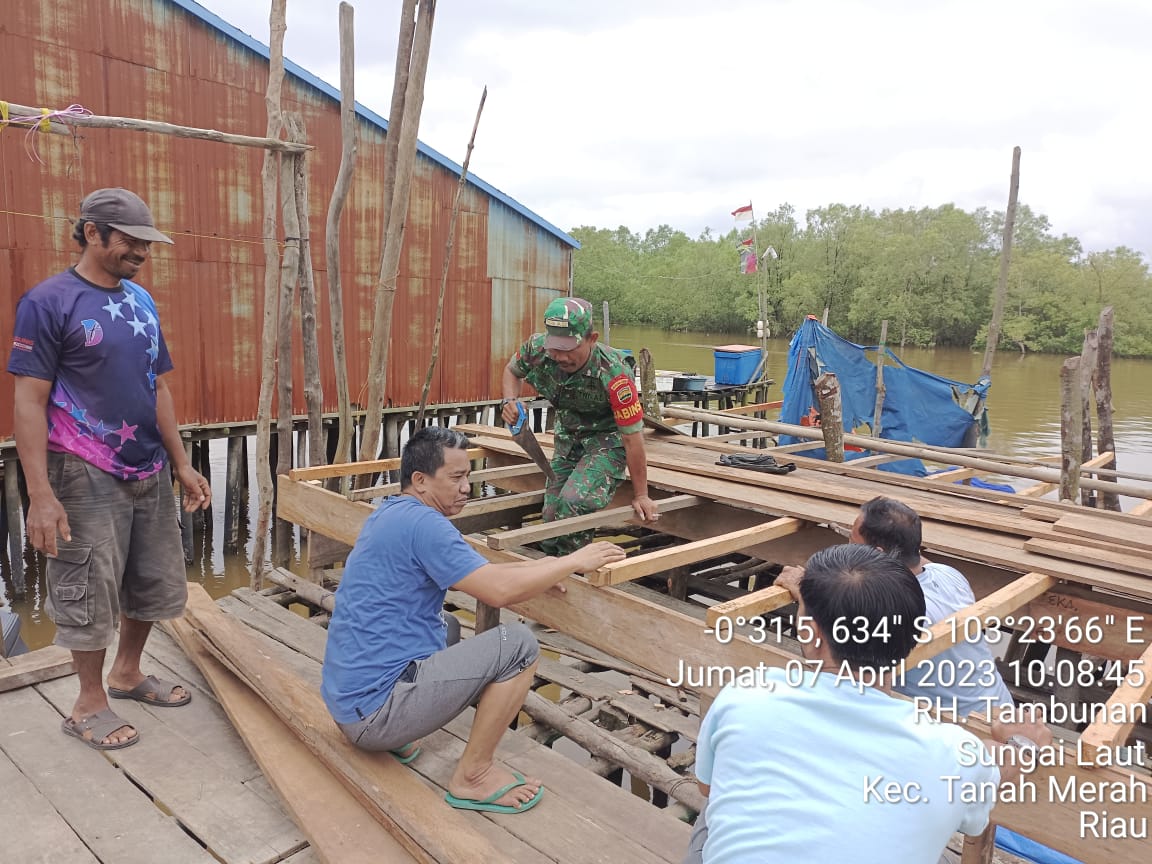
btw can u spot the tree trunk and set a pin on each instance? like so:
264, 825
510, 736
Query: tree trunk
880, 389
1071, 429
831, 415
1102, 385
1005, 260
1087, 365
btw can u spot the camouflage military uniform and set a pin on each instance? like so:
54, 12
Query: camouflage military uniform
594, 407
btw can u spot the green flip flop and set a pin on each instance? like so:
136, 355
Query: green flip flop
404, 755
487, 804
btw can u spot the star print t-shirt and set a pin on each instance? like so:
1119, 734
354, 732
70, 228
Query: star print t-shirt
102, 349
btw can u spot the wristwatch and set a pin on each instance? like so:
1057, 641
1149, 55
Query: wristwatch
1020, 742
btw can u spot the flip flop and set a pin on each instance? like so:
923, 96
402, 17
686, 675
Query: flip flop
101, 725
404, 755
487, 805
152, 691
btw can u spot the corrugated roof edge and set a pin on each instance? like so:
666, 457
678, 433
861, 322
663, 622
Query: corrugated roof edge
218, 23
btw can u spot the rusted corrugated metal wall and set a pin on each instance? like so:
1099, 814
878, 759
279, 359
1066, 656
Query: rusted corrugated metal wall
153, 59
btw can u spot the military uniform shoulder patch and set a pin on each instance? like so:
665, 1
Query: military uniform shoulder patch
624, 401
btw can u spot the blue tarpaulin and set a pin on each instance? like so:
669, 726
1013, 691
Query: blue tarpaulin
919, 407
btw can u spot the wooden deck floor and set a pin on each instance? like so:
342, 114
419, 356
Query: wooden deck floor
191, 792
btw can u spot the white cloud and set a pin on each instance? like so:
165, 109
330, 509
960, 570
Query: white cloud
667, 111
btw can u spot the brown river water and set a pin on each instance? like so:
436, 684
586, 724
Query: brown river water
1024, 406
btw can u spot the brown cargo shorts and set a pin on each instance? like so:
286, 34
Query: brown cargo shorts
124, 557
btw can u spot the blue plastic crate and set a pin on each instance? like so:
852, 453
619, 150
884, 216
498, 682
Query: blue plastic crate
735, 364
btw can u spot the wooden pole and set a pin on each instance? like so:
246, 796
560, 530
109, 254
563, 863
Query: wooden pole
233, 513
186, 519
62, 125
1071, 429
268, 178
831, 416
448, 262
990, 463
14, 514
310, 336
1088, 357
649, 398
398, 212
289, 276
881, 353
1102, 386
1005, 260
332, 231
606, 328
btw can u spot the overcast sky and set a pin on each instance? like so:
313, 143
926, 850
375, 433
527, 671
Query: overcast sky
642, 112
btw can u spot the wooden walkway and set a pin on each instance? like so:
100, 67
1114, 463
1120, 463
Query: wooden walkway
190, 792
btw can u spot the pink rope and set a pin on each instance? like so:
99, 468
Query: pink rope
38, 123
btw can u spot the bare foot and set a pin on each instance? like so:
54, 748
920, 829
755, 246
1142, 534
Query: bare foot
491, 779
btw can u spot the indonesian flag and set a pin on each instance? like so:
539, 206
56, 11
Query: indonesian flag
743, 214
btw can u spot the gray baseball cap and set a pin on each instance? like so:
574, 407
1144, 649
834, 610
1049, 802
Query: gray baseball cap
123, 210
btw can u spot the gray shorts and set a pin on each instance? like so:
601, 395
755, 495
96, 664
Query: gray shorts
124, 557
433, 691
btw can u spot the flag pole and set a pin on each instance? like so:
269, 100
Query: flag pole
761, 298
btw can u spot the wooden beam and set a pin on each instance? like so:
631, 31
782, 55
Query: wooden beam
878, 459
612, 517
373, 466
61, 124
1106, 735
997, 604
797, 447
1144, 508
754, 409
484, 475
1131, 561
43, 664
757, 603
1135, 536
690, 553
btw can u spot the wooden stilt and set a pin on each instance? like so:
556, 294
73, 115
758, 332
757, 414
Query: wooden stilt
1088, 356
1071, 429
1102, 387
15, 523
186, 520
232, 493
831, 416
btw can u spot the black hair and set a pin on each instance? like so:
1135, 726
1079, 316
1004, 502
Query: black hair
78, 232
424, 451
865, 603
894, 527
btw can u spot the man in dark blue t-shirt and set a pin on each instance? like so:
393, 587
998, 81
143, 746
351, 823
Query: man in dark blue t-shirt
393, 670
95, 431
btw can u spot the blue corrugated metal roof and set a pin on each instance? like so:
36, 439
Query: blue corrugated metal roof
218, 23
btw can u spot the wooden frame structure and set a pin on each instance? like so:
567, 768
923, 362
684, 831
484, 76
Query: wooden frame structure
1025, 557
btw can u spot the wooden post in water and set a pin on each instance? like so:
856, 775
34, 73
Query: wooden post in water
15, 521
1088, 355
1005, 260
332, 235
831, 415
1071, 429
268, 178
186, 519
1102, 385
649, 398
232, 496
606, 329
880, 390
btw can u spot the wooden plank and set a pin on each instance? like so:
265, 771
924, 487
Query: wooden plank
339, 828
997, 604
1073, 551
1134, 536
1104, 734
409, 810
751, 605
210, 799
347, 469
42, 664
690, 553
119, 823
1143, 508
498, 503
484, 475
1043, 514
596, 688
878, 459
1037, 490
31, 831
798, 447
612, 517
324, 551
753, 409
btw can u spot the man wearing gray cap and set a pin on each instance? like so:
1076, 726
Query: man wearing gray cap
96, 432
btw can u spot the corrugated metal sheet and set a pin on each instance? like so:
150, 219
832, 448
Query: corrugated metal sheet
154, 59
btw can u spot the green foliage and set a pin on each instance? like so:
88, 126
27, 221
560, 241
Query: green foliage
930, 273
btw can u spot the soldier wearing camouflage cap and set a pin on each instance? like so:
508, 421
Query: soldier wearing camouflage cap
598, 417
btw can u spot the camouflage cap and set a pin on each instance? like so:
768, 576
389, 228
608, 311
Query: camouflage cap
567, 320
